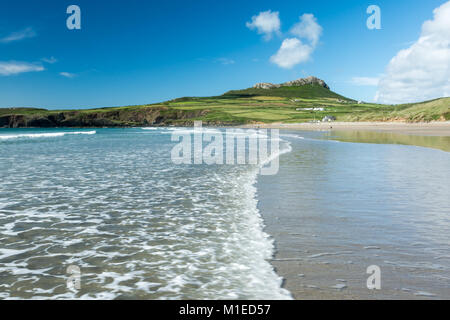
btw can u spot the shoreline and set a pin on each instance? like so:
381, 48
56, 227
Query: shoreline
318, 275
435, 128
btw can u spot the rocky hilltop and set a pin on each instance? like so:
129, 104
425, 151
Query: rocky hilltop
294, 83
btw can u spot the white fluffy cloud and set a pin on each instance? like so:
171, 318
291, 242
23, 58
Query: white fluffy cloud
266, 23
15, 67
19, 35
308, 28
422, 71
291, 53
293, 50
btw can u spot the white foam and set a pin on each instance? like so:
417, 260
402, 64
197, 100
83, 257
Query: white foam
8, 229
295, 136
250, 133
424, 294
273, 156
44, 135
4, 253
263, 275
204, 250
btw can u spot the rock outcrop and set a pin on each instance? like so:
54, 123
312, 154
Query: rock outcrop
294, 83
265, 85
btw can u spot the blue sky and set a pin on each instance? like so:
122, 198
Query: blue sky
136, 52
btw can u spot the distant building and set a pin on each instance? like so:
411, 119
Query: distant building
310, 109
329, 119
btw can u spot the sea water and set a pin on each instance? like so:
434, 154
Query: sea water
336, 209
112, 204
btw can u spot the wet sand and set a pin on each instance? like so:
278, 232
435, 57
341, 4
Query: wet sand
438, 128
321, 255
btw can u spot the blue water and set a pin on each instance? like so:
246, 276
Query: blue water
112, 203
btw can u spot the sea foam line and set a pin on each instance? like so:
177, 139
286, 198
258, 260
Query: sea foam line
268, 242
44, 135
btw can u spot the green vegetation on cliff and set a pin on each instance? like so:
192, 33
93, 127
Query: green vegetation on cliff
288, 104
311, 91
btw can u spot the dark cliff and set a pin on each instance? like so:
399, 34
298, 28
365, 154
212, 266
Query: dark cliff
114, 117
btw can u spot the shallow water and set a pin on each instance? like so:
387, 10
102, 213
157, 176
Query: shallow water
112, 203
436, 142
336, 208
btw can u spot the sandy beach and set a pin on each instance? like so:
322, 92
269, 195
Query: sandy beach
319, 252
438, 128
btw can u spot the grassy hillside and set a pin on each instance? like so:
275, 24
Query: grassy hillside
8, 111
310, 91
266, 108
285, 104
434, 110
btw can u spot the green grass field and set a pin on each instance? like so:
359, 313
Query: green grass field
266, 106
268, 109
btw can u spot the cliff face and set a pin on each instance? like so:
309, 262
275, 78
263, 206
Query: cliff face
294, 83
108, 118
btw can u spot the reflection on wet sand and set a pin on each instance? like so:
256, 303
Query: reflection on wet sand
435, 142
336, 208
